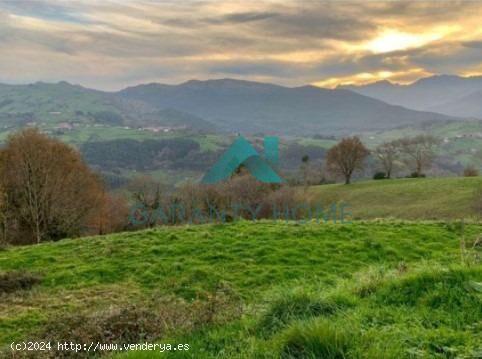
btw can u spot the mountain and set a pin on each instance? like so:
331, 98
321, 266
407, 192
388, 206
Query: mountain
467, 106
447, 94
243, 106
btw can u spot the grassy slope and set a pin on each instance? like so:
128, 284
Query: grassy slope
44, 98
458, 145
257, 260
414, 199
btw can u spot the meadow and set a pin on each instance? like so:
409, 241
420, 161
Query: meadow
444, 198
367, 289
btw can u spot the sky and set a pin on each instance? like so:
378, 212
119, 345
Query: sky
109, 45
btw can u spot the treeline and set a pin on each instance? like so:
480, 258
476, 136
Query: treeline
139, 155
181, 153
240, 197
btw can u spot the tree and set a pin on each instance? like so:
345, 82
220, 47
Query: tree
4, 215
471, 171
49, 189
387, 153
419, 151
111, 216
346, 157
147, 193
305, 168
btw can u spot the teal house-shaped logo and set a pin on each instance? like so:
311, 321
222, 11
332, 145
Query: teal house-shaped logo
241, 152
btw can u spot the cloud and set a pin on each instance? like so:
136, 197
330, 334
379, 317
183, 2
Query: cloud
242, 17
111, 44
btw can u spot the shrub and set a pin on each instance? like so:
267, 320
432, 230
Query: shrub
14, 281
144, 321
471, 171
129, 324
240, 197
379, 176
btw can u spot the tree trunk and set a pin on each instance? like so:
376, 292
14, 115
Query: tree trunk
419, 168
347, 179
37, 232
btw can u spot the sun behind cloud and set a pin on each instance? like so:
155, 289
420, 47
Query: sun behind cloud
111, 45
394, 40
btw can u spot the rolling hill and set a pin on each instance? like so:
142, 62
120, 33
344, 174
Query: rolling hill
48, 104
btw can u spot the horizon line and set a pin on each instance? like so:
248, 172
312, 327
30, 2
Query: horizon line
313, 84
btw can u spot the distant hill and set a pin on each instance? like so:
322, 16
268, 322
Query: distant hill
467, 106
209, 106
244, 106
53, 103
447, 94
46, 102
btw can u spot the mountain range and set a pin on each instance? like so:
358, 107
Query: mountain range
446, 94
229, 105
243, 106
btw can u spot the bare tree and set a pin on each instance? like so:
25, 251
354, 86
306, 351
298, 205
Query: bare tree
387, 154
111, 216
4, 215
419, 151
346, 157
148, 194
50, 191
305, 168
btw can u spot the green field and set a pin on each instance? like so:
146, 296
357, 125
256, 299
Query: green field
461, 140
414, 199
375, 289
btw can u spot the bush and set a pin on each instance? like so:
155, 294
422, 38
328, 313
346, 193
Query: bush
144, 321
240, 197
14, 281
471, 171
379, 176
118, 325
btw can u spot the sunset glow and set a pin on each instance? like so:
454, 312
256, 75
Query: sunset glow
109, 45
394, 41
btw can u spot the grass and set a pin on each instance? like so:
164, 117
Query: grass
413, 199
335, 290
